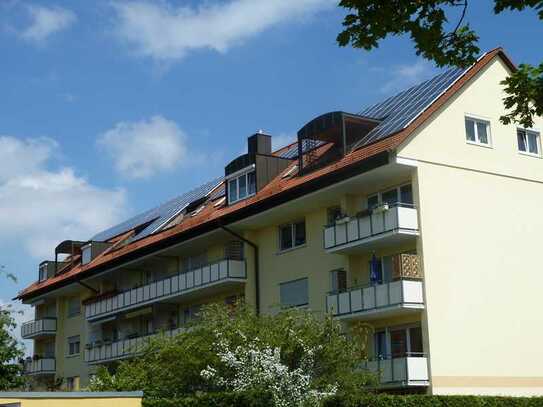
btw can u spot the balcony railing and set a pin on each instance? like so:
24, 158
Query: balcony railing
386, 224
375, 301
40, 366
39, 327
126, 348
210, 275
409, 370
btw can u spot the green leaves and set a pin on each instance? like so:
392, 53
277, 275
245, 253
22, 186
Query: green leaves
444, 40
424, 21
172, 367
525, 95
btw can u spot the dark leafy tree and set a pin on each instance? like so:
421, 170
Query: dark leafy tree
446, 41
10, 349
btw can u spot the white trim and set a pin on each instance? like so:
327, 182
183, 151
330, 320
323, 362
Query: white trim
240, 172
407, 161
292, 234
477, 141
538, 142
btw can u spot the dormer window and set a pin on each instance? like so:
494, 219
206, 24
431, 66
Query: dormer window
241, 187
86, 254
43, 272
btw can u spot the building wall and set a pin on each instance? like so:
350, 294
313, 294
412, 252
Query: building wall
309, 260
480, 239
54, 399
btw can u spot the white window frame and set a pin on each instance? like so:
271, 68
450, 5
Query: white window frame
292, 234
398, 188
42, 268
538, 141
388, 341
476, 120
236, 180
86, 254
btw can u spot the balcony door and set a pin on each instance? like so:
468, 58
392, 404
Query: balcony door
399, 342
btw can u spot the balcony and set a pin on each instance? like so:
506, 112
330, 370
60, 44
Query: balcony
384, 226
408, 371
404, 294
99, 353
39, 328
42, 366
204, 280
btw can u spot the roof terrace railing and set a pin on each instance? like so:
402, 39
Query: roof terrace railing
226, 270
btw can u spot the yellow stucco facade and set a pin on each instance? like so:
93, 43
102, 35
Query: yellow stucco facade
45, 399
476, 237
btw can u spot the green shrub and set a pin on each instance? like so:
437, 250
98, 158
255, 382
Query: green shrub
215, 400
432, 401
264, 400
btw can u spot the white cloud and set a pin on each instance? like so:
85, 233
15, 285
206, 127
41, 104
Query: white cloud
46, 21
144, 148
40, 207
404, 76
282, 140
164, 32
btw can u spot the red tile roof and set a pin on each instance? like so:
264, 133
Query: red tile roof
274, 188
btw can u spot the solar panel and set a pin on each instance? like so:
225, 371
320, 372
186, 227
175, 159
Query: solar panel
307, 145
398, 111
160, 215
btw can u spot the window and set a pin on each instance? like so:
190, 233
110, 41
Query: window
401, 342
193, 262
43, 272
338, 281
402, 195
528, 142
333, 214
73, 345
294, 293
382, 271
233, 250
72, 383
74, 306
291, 235
86, 254
373, 201
477, 131
241, 187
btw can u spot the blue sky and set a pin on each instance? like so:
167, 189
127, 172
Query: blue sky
108, 108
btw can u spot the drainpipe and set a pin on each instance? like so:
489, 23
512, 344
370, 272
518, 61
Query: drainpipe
257, 261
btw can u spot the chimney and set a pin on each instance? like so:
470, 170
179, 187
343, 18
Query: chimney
259, 143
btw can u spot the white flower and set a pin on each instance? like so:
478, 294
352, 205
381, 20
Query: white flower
257, 366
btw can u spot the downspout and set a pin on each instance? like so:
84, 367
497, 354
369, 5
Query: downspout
257, 262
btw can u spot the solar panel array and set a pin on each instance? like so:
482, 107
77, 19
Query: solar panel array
395, 113
159, 215
307, 145
398, 111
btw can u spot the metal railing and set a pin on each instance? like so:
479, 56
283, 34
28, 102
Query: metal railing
390, 218
42, 326
40, 366
370, 298
201, 277
406, 369
122, 349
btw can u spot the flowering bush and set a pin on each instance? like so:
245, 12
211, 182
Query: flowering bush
297, 356
256, 366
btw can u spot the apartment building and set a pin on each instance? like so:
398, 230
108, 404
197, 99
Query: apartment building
419, 215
